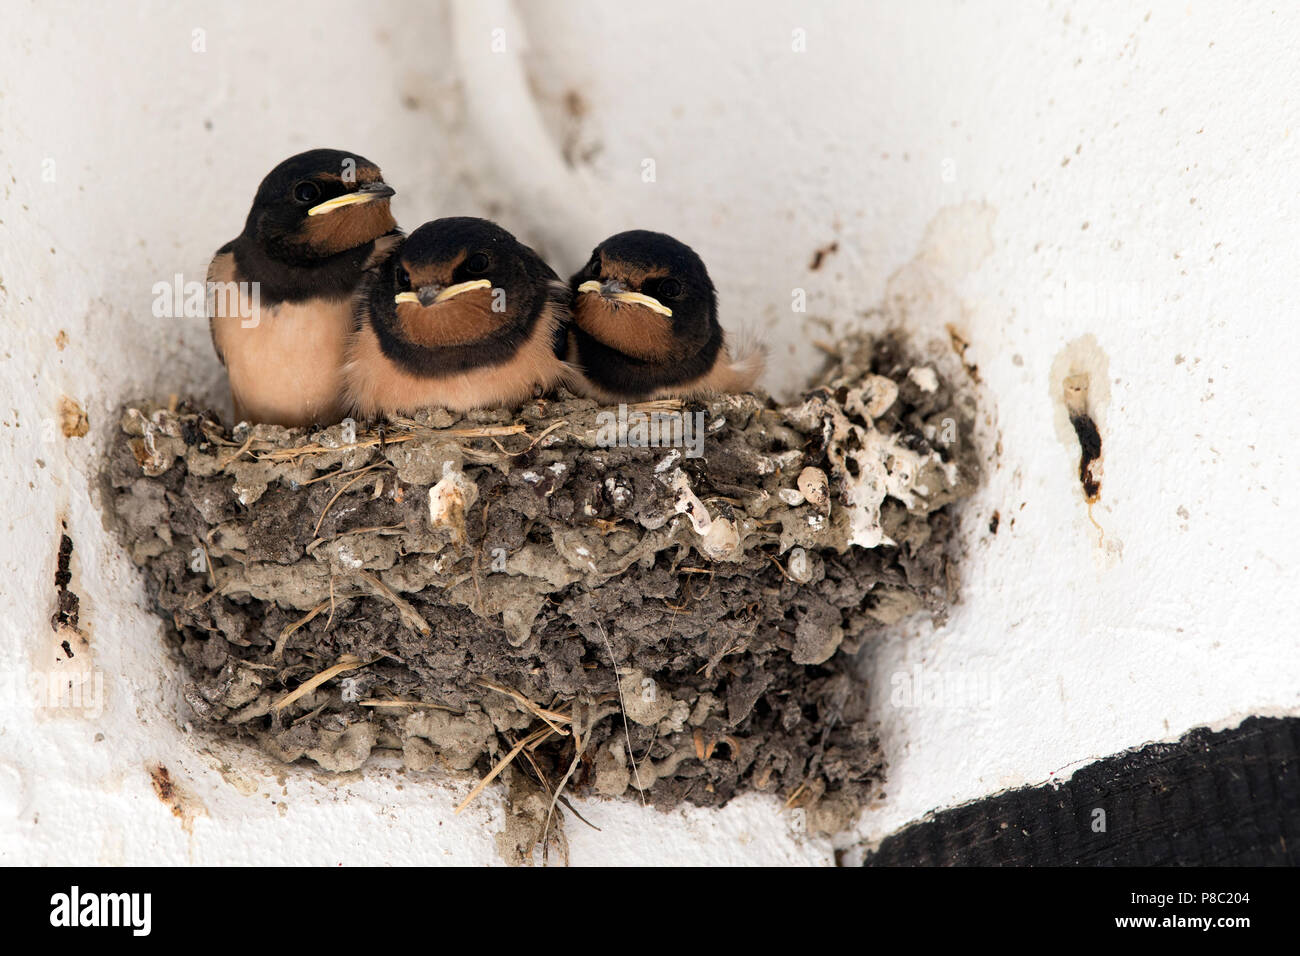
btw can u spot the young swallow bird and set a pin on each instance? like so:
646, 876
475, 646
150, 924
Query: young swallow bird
281, 309
461, 315
645, 324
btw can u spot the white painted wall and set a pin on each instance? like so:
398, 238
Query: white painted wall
954, 152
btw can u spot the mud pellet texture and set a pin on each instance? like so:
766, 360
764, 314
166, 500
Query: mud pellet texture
650, 621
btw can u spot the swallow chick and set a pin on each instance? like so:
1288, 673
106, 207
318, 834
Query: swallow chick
280, 295
645, 325
462, 315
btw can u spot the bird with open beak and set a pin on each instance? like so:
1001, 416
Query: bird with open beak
645, 325
461, 315
280, 295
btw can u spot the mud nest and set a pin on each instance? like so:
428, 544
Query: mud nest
550, 596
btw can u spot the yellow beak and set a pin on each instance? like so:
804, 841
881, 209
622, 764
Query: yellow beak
347, 199
632, 298
448, 293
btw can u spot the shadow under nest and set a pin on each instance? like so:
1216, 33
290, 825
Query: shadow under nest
534, 594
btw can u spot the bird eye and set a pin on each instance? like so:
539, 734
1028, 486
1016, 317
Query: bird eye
306, 192
403, 277
478, 263
670, 288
